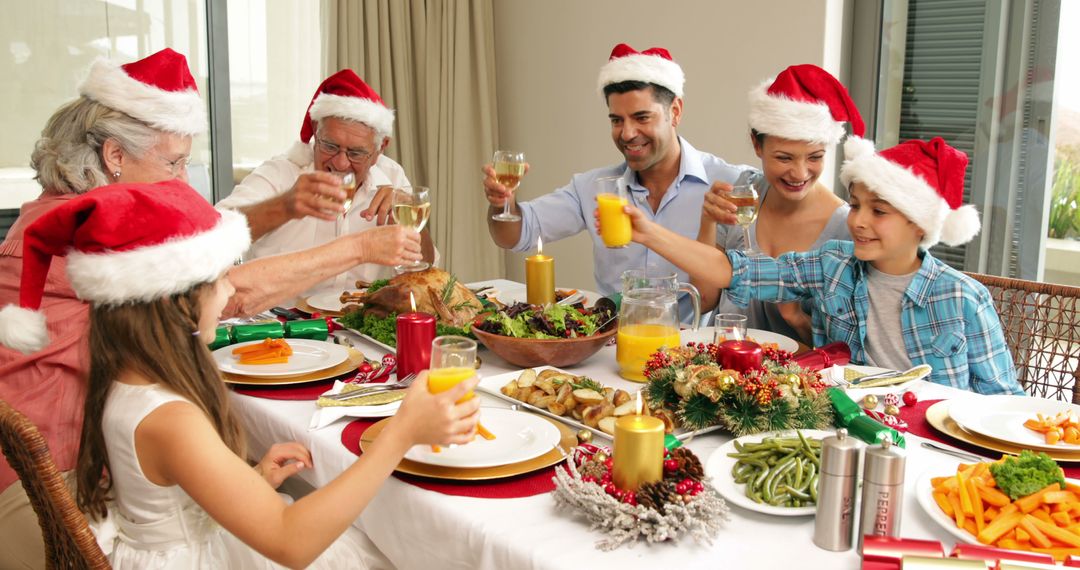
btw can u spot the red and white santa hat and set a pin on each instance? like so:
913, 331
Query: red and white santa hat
804, 103
653, 65
124, 243
922, 179
345, 96
158, 90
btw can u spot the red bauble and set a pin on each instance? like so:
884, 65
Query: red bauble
910, 398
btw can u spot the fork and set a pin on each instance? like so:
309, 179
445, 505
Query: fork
375, 388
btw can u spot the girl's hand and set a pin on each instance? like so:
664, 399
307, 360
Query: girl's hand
437, 419
283, 461
717, 207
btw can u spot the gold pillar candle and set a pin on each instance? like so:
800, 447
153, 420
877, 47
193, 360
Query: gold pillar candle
638, 451
540, 277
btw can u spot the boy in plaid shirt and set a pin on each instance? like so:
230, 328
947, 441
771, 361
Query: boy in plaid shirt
883, 294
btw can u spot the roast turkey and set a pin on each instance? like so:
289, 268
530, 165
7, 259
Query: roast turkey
437, 293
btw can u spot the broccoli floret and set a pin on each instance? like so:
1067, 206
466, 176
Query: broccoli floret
1021, 476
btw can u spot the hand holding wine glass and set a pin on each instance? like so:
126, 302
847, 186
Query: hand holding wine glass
745, 199
509, 169
411, 208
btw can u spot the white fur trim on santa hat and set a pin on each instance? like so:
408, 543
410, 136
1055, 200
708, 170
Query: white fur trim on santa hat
155, 271
22, 329
364, 111
790, 119
910, 194
961, 225
180, 112
641, 67
301, 153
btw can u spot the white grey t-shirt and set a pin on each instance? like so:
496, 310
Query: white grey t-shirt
884, 343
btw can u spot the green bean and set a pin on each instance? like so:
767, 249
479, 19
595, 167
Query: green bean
781, 471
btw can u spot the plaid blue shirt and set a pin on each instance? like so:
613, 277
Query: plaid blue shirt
948, 319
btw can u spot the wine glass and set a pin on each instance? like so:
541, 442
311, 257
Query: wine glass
349, 186
745, 198
509, 168
411, 206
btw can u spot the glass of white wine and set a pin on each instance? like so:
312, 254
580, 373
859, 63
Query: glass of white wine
349, 186
411, 207
509, 169
745, 198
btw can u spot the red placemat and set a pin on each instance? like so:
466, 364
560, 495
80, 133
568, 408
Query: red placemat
307, 391
525, 485
915, 416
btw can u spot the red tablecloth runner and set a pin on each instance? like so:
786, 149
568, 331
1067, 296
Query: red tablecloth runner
525, 485
915, 416
308, 391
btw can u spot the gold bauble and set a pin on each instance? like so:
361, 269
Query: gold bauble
870, 401
892, 410
584, 436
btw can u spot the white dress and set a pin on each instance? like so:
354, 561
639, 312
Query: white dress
162, 527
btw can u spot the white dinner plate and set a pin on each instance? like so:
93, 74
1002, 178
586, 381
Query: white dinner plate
1002, 418
491, 385
308, 356
326, 301
705, 334
719, 468
519, 436
924, 490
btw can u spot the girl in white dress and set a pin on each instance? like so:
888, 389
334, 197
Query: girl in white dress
159, 438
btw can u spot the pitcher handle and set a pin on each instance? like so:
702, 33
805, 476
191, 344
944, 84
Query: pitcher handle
695, 298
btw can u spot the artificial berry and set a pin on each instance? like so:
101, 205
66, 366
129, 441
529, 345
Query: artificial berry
630, 497
693, 491
589, 479
671, 464
610, 488
365, 367
910, 398
606, 477
608, 463
681, 488
619, 494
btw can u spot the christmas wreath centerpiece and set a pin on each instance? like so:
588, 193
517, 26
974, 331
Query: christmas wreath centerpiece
778, 395
681, 503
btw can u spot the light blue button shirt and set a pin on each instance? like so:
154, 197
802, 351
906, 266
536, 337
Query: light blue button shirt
569, 210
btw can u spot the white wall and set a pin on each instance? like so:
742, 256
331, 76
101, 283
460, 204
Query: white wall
548, 54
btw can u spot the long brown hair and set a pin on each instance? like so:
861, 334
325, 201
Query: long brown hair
153, 339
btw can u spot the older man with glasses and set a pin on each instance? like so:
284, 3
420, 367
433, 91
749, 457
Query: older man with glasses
297, 200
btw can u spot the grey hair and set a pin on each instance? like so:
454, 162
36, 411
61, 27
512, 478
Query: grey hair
379, 136
68, 157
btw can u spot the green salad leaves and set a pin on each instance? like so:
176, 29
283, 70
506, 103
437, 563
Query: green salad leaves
554, 321
384, 329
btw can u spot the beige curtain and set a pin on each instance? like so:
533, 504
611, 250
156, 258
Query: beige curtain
433, 62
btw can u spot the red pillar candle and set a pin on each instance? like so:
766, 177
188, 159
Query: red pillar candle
740, 355
415, 331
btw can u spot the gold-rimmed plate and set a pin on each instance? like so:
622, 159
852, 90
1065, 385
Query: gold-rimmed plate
352, 361
938, 416
552, 457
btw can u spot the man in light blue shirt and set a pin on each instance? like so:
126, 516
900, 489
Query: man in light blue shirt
667, 178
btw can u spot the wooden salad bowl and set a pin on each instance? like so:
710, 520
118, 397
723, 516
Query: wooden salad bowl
530, 352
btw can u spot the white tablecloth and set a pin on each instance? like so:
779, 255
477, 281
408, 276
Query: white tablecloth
416, 528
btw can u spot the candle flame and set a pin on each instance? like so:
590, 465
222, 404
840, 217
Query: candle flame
539, 245
736, 333
412, 301
638, 406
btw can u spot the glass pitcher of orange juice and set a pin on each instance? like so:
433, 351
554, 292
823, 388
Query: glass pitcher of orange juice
649, 318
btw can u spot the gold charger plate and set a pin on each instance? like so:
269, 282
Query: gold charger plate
937, 416
351, 363
409, 467
304, 306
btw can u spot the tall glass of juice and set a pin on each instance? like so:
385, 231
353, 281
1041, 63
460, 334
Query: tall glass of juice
453, 359
614, 222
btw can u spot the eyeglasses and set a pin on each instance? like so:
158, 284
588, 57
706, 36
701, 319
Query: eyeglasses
355, 155
178, 166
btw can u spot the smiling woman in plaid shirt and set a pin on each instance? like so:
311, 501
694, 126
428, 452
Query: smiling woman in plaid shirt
885, 285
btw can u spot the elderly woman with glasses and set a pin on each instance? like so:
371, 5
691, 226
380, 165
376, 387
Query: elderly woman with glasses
297, 200
131, 123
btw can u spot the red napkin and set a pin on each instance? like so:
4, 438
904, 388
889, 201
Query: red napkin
525, 485
915, 416
832, 354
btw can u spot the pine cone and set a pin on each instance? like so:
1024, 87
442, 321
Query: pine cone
689, 465
656, 495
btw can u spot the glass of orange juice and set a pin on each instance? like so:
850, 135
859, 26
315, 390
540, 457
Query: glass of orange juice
453, 359
614, 222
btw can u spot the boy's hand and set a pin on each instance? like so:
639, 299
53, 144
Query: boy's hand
717, 207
